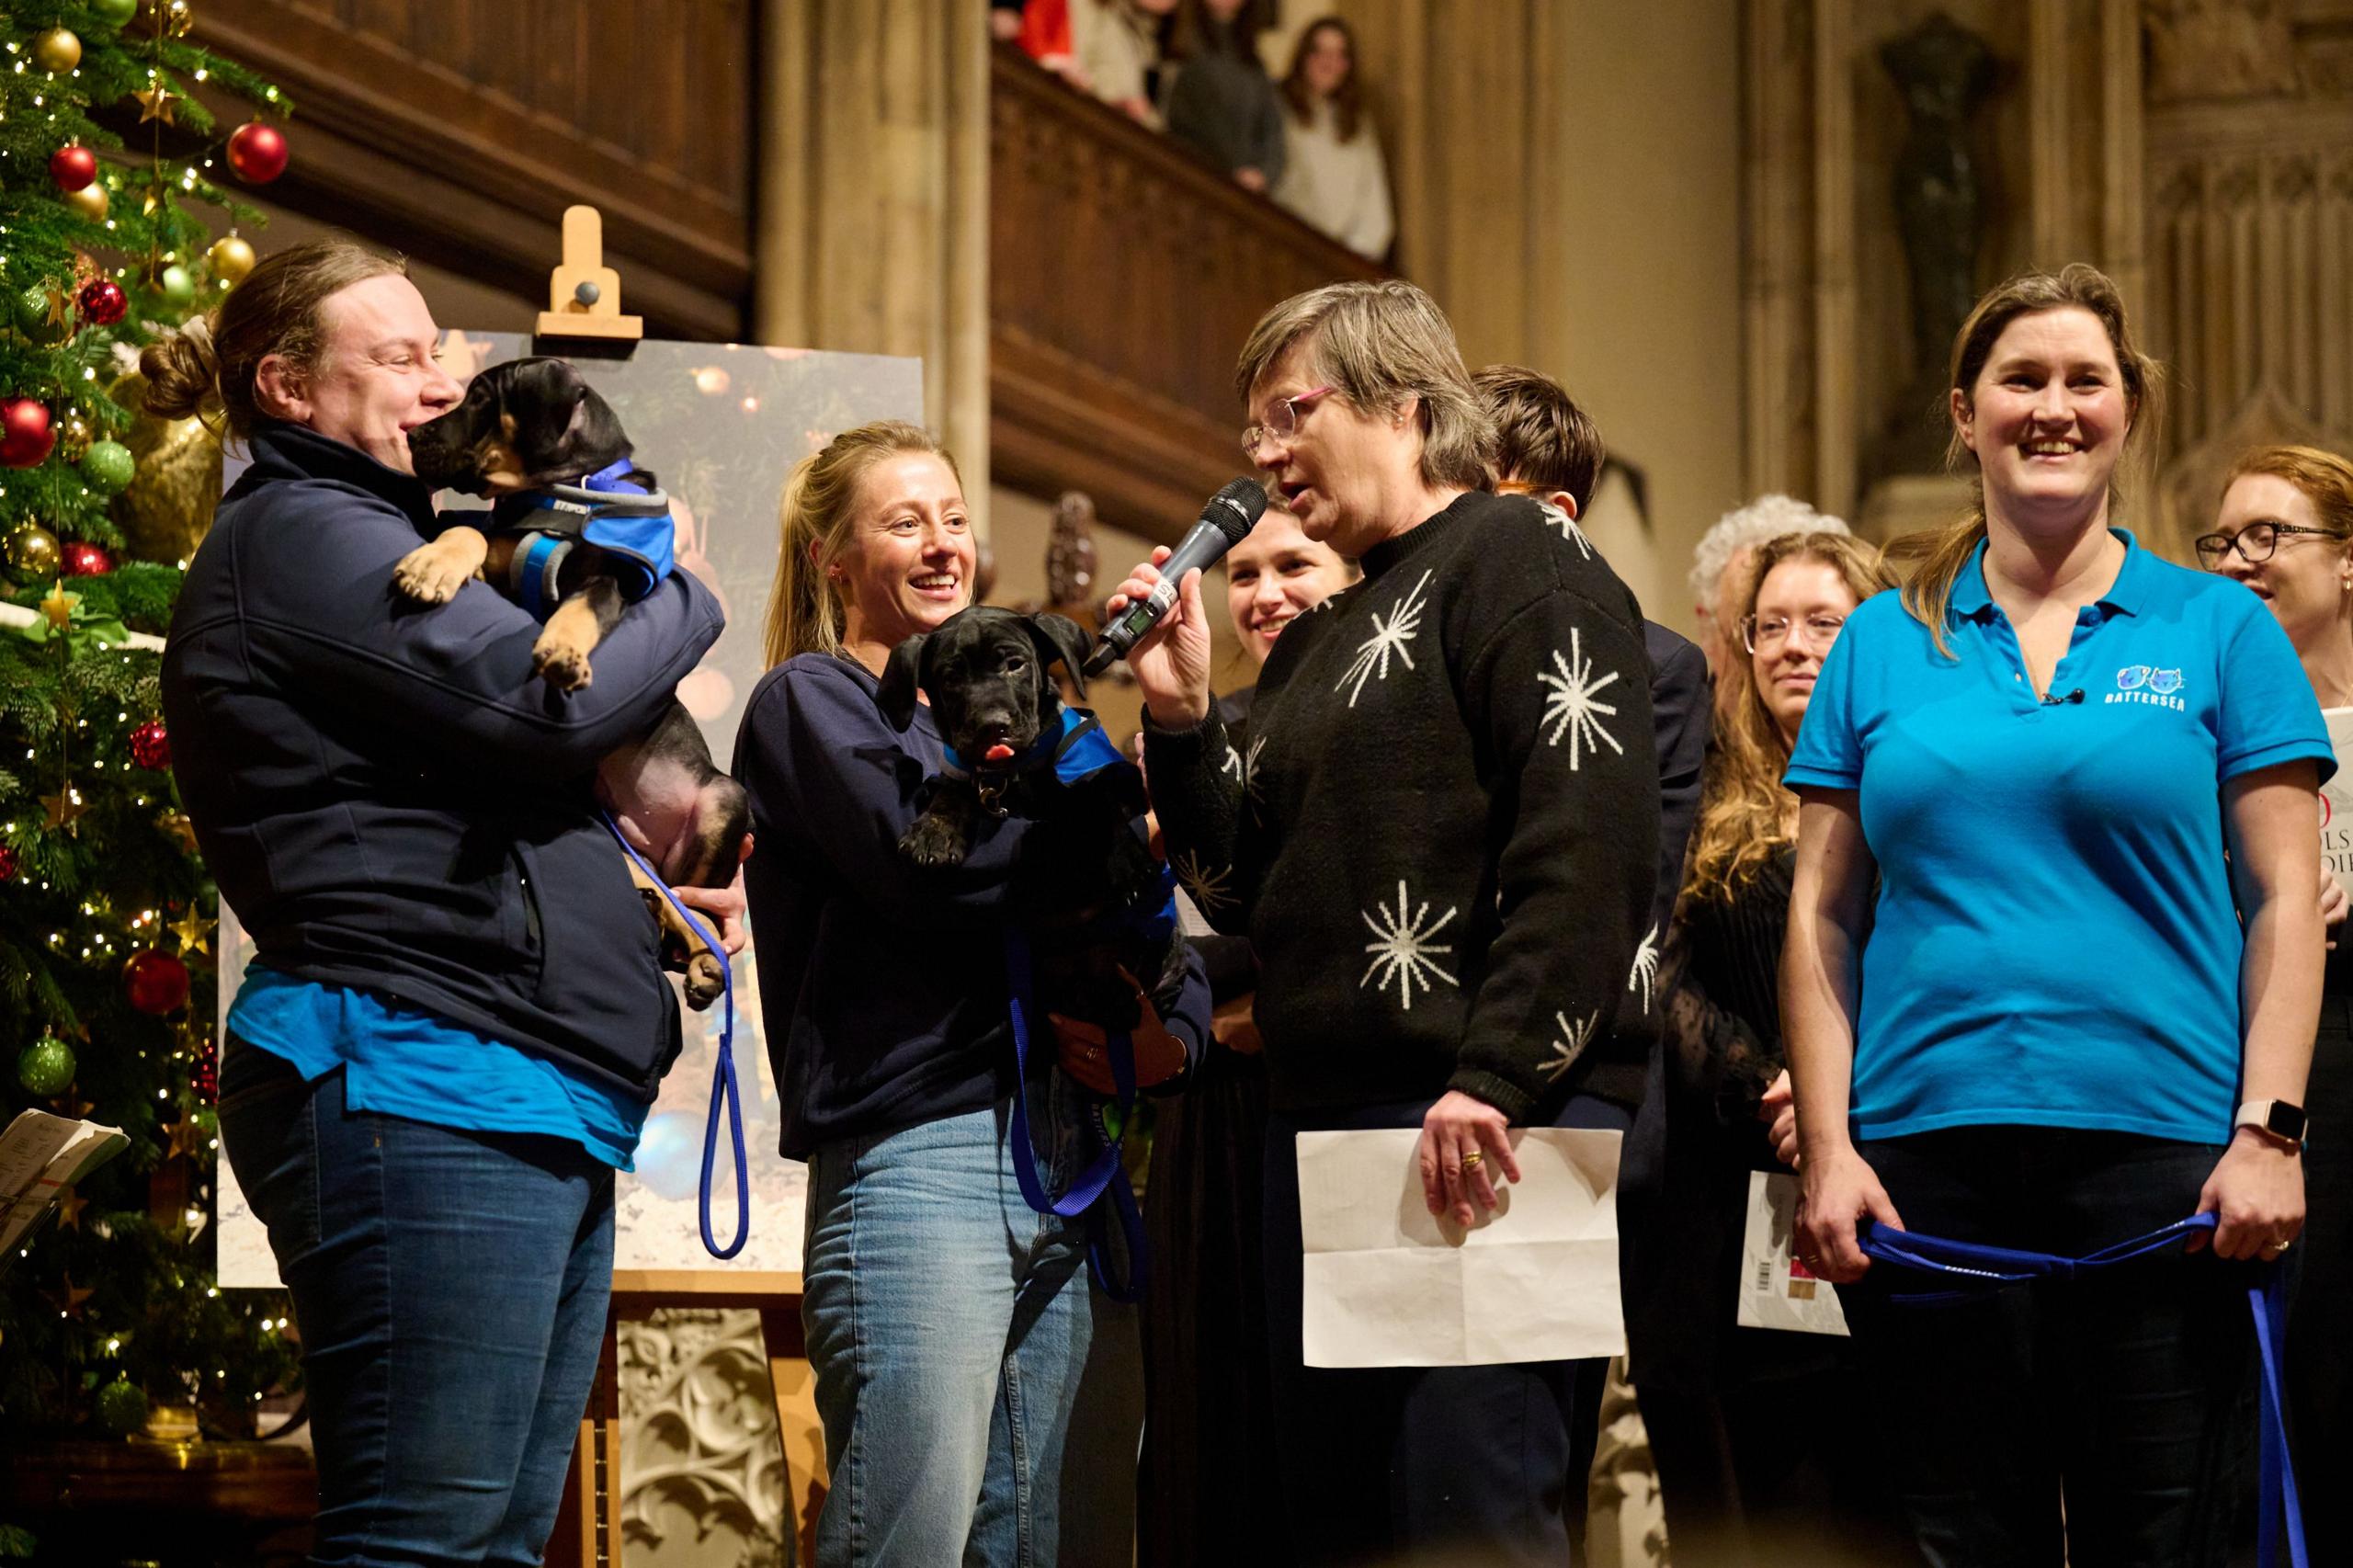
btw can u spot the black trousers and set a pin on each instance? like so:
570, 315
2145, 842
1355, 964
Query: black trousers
2320, 1320
2103, 1422
1437, 1466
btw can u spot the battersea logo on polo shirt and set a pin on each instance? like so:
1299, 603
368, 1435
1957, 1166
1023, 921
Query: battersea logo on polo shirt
2147, 683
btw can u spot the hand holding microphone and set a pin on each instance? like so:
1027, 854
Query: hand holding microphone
1157, 619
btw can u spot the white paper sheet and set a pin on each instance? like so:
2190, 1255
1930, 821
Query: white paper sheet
1389, 1284
1776, 1290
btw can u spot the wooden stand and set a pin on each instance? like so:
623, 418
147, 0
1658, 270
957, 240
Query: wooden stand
584, 294
588, 1528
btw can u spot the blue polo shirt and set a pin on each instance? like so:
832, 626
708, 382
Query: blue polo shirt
2056, 942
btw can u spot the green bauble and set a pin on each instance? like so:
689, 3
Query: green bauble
110, 467
123, 1408
178, 287
32, 317
115, 13
46, 1068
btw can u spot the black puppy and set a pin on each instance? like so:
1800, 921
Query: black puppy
1087, 876
534, 426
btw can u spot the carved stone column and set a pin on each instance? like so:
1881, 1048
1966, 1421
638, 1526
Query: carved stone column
873, 229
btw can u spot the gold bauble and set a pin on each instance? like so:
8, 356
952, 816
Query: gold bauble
31, 551
74, 437
90, 201
177, 17
168, 508
231, 258
57, 50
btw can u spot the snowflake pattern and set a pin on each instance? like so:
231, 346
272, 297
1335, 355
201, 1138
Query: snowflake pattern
1573, 1039
1206, 885
1389, 635
1233, 763
1574, 705
1402, 947
1250, 768
1645, 972
1568, 526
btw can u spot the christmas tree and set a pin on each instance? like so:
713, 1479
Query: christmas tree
107, 997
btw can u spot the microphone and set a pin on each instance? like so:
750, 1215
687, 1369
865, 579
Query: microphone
2052, 700
1228, 516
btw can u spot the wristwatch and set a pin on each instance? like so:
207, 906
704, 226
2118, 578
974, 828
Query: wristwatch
2282, 1118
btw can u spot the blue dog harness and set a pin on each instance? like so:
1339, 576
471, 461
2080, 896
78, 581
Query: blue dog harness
1971, 1266
1080, 750
631, 526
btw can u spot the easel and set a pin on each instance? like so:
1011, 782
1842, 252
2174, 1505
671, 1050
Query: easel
584, 302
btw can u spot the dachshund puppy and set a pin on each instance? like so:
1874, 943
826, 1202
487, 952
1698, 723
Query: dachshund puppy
1087, 882
577, 532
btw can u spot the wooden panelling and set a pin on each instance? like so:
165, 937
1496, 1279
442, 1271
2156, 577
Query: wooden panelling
1123, 277
461, 129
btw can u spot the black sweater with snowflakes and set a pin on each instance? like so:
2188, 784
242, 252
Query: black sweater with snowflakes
1441, 838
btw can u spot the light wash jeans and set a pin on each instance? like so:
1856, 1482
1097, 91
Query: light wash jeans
948, 1328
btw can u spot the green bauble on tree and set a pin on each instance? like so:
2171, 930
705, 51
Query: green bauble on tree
46, 1068
115, 13
121, 1408
110, 467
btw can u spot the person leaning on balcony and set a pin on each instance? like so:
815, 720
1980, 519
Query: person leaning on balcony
1455, 758
1223, 104
1334, 174
1120, 46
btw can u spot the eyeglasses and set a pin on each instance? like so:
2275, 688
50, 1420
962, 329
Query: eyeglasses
1765, 634
2256, 542
1282, 421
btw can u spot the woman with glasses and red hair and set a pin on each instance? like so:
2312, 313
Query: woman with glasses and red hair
2286, 530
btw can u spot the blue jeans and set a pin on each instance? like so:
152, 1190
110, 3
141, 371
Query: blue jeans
948, 1328
2102, 1422
451, 1291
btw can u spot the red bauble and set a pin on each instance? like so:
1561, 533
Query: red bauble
86, 560
258, 152
155, 981
26, 433
149, 747
7, 862
72, 167
102, 301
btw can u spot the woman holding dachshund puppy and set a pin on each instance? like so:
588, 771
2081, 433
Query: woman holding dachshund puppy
948, 1326
1443, 857
458, 1016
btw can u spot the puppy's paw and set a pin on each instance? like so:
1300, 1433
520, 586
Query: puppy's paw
561, 665
706, 980
934, 841
432, 573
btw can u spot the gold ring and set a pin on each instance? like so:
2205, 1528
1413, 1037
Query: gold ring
1473, 1160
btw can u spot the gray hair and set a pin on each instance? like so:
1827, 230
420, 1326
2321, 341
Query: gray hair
1766, 518
1380, 344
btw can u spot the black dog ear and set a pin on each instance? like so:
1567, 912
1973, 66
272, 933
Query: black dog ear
1059, 637
902, 675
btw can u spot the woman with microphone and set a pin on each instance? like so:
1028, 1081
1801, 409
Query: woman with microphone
1444, 859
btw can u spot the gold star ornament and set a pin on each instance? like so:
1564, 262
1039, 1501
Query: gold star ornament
155, 103
186, 1135
193, 930
70, 1204
58, 605
63, 807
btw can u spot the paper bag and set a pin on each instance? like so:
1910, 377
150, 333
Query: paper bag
1776, 1290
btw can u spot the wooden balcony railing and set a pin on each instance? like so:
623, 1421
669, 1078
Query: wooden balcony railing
1124, 275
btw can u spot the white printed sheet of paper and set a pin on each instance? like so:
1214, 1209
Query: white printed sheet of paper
2336, 800
1389, 1284
1776, 1290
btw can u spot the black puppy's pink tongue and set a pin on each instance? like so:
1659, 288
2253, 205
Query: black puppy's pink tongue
997, 753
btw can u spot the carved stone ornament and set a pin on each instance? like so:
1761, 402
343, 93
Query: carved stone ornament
701, 1469
2189, 489
2220, 48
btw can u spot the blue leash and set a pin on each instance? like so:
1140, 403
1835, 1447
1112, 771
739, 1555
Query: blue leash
724, 1090
1986, 1267
1105, 1171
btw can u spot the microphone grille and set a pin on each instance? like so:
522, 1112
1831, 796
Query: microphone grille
1234, 510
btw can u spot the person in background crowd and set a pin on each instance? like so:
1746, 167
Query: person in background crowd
1222, 105
2286, 530
424, 1114
2081, 1003
1435, 771
1548, 448
1719, 564
1120, 44
947, 1324
1043, 29
1334, 174
1759, 1456
1206, 1487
